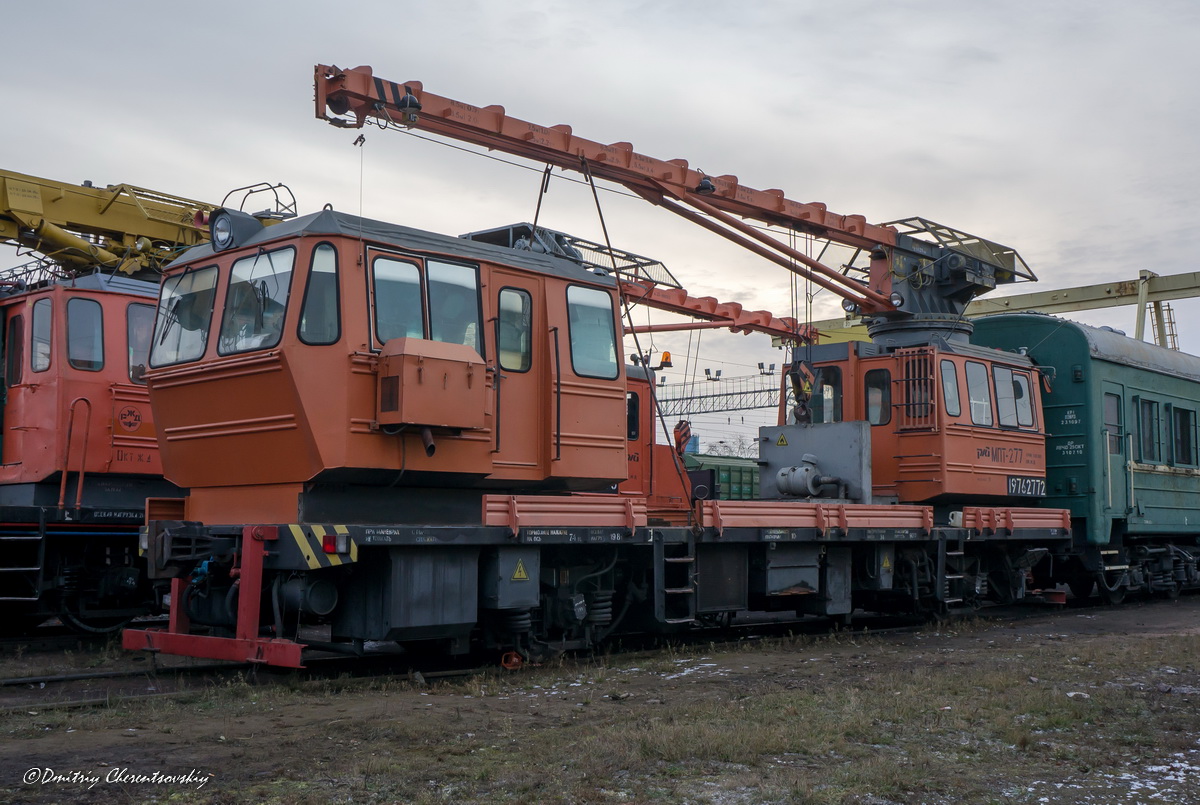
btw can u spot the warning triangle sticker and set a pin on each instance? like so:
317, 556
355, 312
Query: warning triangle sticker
520, 574
781, 441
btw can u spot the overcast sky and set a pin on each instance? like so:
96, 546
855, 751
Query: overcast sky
1066, 130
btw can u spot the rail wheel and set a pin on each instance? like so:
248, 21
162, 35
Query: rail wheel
1114, 594
1170, 592
1081, 587
93, 625
17, 622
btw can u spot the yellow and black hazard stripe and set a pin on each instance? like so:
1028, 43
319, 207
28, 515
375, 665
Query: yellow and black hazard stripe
310, 539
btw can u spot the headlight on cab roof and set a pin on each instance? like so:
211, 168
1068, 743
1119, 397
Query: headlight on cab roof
229, 229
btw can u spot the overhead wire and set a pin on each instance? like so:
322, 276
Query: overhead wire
676, 459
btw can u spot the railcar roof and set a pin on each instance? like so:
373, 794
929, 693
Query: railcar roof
334, 223
1106, 344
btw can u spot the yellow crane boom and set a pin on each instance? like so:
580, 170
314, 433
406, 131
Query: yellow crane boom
80, 227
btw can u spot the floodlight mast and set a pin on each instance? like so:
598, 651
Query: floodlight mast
908, 277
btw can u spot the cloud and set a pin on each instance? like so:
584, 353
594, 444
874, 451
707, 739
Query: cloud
1063, 130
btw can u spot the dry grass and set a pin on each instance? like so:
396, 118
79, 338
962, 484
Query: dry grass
974, 716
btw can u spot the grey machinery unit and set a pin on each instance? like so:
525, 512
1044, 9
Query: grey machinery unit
824, 463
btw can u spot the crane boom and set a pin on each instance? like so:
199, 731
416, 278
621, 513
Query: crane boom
360, 93
120, 227
944, 271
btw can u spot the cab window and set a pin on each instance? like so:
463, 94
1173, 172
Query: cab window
39, 343
256, 302
592, 335
826, 402
979, 396
139, 323
1022, 388
399, 311
453, 304
514, 330
632, 414
14, 347
85, 334
878, 386
950, 388
1006, 398
185, 306
319, 314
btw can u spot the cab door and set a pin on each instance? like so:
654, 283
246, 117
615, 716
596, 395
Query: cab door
5, 357
517, 329
12, 359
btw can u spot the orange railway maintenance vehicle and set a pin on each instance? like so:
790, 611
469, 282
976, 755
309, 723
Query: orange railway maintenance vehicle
80, 453
80, 449
435, 437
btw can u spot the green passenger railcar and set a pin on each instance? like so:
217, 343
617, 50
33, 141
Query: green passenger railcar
1121, 422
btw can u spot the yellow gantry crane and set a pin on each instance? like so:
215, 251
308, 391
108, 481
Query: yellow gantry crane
1148, 290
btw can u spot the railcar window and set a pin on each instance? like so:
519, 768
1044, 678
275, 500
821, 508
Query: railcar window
139, 325
1022, 390
1148, 439
185, 306
950, 388
979, 397
877, 384
1185, 435
256, 301
826, 402
85, 334
453, 304
15, 346
39, 344
514, 331
399, 312
593, 339
1006, 398
319, 314
1112, 423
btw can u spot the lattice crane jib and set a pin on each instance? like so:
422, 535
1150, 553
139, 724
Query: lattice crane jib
920, 277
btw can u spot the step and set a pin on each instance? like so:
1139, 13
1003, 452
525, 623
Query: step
679, 591
679, 559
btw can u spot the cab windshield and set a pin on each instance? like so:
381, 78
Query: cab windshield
185, 306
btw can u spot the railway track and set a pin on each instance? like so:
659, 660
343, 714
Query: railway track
105, 688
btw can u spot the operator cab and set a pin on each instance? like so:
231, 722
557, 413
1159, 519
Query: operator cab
947, 422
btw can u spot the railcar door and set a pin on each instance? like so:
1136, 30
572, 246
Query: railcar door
517, 324
12, 392
1115, 445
